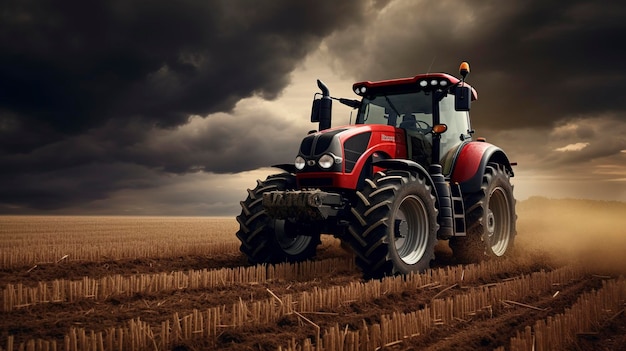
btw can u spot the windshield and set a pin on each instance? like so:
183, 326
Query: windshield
395, 109
413, 112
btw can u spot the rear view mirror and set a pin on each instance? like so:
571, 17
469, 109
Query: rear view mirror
462, 98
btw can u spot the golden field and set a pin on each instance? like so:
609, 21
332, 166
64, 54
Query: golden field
158, 283
29, 240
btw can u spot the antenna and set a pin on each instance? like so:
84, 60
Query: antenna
431, 64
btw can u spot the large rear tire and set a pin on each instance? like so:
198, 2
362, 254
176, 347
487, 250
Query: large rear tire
267, 240
394, 230
490, 218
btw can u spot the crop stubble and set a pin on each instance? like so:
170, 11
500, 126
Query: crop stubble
553, 235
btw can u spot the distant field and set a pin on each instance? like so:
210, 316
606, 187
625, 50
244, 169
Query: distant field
28, 240
146, 283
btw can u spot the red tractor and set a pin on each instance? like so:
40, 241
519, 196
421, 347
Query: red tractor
404, 176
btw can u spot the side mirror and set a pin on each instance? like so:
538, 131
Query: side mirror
462, 98
315, 111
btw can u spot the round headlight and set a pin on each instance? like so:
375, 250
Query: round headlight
299, 163
326, 161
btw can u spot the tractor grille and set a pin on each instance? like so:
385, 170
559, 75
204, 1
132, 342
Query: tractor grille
354, 148
323, 141
307, 145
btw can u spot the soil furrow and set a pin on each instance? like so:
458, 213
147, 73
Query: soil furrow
494, 329
53, 319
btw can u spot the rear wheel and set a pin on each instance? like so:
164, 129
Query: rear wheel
490, 217
267, 240
395, 225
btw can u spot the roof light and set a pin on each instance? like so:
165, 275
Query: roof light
360, 90
443, 83
423, 83
433, 82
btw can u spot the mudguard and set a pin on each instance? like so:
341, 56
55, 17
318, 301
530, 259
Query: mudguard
469, 166
401, 164
406, 165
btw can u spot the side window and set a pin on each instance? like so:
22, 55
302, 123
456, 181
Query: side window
456, 121
374, 114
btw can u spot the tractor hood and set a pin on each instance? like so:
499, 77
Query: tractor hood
345, 150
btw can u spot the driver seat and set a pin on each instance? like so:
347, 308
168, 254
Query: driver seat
418, 145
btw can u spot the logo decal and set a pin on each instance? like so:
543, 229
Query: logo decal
384, 137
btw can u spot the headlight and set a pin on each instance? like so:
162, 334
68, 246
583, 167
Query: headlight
326, 161
299, 162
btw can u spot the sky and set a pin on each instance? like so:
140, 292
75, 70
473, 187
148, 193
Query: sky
127, 107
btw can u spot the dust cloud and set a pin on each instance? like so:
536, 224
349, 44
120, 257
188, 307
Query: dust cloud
591, 233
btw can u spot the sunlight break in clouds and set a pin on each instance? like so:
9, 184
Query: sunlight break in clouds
572, 147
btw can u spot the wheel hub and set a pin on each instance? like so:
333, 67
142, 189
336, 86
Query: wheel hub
491, 223
411, 230
401, 228
498, 222
288, 242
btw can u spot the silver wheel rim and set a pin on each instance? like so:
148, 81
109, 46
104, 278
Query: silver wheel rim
498, 222
291, 245
411, 230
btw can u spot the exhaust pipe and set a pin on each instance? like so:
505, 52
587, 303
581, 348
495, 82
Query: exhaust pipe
325, 107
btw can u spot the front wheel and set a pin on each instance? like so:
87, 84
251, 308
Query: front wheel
490, 217
394, 229
267, 240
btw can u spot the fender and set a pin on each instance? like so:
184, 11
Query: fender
405, 165
469, 166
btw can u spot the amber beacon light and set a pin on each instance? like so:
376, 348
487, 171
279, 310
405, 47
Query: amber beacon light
464, 69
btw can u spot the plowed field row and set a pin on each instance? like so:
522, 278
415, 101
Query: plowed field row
323, 299
96, 283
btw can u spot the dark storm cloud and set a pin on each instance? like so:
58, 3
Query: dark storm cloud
93, 165
578, 148
533, 62
47, 190
69, 66
86, 87
220, 144
96, 96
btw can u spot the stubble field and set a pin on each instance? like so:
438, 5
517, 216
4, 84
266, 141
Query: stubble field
161, 283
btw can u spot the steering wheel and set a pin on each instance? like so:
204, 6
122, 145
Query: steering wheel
418, 125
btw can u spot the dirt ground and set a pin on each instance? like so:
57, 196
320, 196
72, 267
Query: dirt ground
552, 233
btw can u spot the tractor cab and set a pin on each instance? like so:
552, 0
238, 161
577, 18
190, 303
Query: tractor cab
427, 107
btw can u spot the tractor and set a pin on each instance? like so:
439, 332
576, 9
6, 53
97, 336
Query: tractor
406, 175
